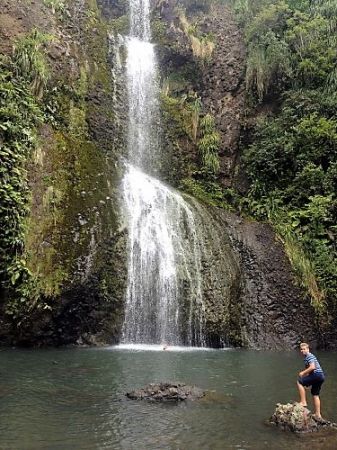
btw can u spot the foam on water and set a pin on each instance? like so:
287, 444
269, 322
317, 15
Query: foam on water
161, 348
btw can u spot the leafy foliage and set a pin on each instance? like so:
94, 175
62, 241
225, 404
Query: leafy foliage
22, 79
292, 160
30, 61
186, 116
208, 144
208, 192
19, 114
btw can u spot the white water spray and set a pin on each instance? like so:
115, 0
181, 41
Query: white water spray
164, 292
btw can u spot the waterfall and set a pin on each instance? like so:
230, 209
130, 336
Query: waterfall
164, 301
143, 106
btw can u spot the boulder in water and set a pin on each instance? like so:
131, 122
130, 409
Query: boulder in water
166, 392
297, 418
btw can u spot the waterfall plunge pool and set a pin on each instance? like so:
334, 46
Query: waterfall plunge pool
161, 347
74, 399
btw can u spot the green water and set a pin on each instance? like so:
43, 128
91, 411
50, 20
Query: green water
74, 399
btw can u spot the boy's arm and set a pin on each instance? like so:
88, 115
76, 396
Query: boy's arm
308, 370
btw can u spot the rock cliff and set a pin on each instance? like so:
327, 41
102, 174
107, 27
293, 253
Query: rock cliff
72, 236
74, 241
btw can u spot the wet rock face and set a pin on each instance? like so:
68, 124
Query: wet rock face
219, 81
113, 8
222, 86
163, 392
76, 249
296, 418
329, 338
275, 313
89, 313
220, 279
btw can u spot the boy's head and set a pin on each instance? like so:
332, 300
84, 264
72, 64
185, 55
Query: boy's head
304, 348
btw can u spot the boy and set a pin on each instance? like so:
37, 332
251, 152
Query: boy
313, 376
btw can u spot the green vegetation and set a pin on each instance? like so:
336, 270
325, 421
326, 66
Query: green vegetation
22, 80
55, 5
202, 45
292, 161
185, 116
196, 143
208, 192
30, 61
49, 166
121, 24
209, 144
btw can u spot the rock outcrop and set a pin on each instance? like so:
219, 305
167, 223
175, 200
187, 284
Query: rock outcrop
163, 392
296, 418
74, 247
223, 85
274, 311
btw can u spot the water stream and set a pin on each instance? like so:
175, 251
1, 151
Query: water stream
164, 246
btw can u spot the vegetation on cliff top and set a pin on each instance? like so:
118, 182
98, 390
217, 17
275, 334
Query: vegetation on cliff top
292, 161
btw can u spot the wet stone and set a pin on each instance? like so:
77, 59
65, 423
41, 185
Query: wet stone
175, 392
297, 418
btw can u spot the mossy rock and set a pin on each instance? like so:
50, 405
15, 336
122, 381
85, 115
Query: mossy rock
297, 418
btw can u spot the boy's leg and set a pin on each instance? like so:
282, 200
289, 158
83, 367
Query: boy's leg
301, 390
315, 391
317, 405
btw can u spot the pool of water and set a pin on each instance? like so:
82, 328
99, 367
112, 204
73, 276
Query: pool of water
74, 399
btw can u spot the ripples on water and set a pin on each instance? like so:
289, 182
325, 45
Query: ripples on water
74, 399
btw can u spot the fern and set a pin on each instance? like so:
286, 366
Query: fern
268, 64
209, 144
31, 62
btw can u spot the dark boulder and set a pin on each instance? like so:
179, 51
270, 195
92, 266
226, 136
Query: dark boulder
297, 418
166, 392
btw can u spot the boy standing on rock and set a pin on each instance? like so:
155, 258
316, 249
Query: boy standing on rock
313, 376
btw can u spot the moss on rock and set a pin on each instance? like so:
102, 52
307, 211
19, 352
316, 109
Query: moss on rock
72, 229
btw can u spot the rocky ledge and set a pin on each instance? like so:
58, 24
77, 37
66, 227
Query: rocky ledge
166, 392
297, 418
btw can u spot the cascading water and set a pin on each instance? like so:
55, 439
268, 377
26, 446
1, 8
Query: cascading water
164, 266
163, 244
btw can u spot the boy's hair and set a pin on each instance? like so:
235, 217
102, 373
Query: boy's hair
304, 344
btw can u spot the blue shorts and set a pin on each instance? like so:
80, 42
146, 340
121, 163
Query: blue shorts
315, 380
